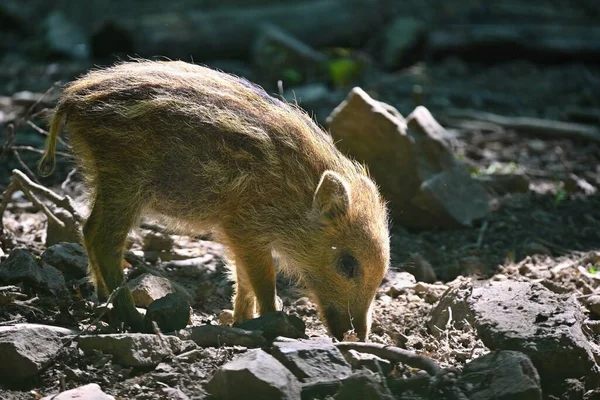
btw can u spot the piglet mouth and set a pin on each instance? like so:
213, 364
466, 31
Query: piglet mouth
339, 324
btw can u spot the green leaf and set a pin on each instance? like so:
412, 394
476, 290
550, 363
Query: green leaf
343, 70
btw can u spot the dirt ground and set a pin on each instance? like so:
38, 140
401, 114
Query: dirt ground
556, 222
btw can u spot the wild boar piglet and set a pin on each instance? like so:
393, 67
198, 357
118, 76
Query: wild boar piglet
206, 151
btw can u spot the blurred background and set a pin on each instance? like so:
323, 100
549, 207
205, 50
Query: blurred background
536, 58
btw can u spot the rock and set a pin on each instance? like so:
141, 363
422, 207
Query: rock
171, 312
593, 304
157, 241
132, 349
363, 385
22, 266
453, 301
279, 56
256, 373
217, 336
25, 348
147, 288
64, 37
69, 258
426, 186
501, 184
313, 359
501, 375
396, 283
276, 324
402, 38
369, 361
420, 268
90, 391
525, 317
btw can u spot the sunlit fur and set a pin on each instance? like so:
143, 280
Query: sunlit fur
209, 151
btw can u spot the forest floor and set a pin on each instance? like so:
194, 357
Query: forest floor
548, 233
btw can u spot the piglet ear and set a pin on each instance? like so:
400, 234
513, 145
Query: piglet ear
332, 197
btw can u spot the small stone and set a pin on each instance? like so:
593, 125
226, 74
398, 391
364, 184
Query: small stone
501, 375
87, 392
313, 359
157, 241
171, 312
420, 268
132, 349
396, 283
593, 304
276, 324
22, 266
226, 317
369, 361
147, 288
25, 348
69, 258
256, 374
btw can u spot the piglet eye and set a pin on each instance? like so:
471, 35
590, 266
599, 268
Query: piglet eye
348, 265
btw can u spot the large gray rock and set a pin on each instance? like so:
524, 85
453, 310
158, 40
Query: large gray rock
255, 375
69, 258
410, 160
132, 349
314, 359
22, 266
25, 348
90, 391
501, 375
525, 317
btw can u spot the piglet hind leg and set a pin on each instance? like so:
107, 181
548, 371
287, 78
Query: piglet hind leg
255, 279
105, 233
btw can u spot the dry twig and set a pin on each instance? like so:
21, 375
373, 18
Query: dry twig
393, 354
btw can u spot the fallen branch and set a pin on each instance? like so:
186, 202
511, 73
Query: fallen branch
529, 125
64, 226
219, 335
393, 354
